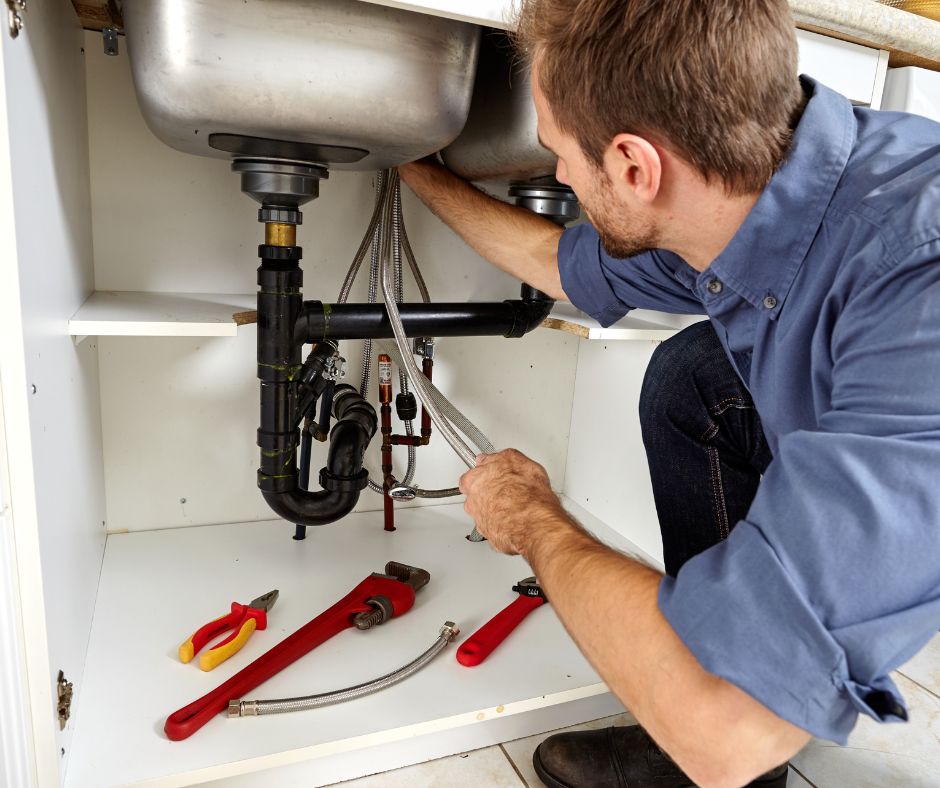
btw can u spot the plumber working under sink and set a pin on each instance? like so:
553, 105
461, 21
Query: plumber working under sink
793, 439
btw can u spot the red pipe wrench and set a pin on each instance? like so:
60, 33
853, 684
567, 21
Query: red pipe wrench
375, 600
481, 643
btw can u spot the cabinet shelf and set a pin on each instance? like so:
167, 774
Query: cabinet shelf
158, 586
131, 314
134, 314
638, 325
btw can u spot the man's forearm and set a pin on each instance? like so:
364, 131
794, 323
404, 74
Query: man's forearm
511, 238
609, 603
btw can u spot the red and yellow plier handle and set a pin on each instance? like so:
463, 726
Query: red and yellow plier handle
242, 620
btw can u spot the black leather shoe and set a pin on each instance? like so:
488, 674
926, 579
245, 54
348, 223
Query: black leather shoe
617, 758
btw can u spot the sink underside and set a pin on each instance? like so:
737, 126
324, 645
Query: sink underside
341, 82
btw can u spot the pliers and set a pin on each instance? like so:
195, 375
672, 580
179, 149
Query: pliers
243, 620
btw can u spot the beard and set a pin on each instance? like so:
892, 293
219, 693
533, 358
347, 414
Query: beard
619, 237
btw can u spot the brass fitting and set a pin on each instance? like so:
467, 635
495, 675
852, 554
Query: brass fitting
277, 234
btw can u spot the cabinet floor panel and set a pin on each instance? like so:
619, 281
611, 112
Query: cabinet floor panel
159, 586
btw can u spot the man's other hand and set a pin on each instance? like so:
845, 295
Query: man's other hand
507, 496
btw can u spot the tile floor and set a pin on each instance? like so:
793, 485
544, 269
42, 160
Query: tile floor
877, 756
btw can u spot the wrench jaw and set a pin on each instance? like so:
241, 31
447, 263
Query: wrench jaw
382, 607
412, 575
530, 587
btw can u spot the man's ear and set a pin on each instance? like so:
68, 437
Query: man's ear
633, 163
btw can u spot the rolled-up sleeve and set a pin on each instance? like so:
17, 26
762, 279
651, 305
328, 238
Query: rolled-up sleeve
607, 288
833, 579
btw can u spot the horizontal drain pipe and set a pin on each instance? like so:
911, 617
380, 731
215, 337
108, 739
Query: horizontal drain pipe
318, 322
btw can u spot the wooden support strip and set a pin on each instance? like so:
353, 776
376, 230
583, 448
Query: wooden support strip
98, 14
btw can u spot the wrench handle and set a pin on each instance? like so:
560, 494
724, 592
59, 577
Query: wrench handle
481, 643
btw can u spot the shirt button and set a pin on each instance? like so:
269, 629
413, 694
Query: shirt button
770, 302
715, 287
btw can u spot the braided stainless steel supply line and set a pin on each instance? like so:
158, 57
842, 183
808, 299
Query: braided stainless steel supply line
381, 185
379, 226
387, 237
398, 329
256, 708
371, 240
399, 298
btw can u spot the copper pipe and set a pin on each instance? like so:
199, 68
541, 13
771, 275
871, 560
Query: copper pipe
409, 440
427, 367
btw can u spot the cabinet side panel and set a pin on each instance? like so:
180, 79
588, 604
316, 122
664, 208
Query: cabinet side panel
17, 754
607, 470
60, 494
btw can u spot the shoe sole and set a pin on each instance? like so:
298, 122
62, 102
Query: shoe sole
544, 776
551, 782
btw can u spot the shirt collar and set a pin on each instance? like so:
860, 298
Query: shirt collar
764, 256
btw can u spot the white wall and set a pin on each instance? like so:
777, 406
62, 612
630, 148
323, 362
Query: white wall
607, 471
179, 415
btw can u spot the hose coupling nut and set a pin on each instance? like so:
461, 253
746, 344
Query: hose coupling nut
449, 631
242, 708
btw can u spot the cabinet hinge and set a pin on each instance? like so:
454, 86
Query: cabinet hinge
14, 17
64, 705
109, 36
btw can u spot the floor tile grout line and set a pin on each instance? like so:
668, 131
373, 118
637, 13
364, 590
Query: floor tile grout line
925, 689
514, 767
802, 775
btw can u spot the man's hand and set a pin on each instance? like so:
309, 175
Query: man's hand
508, 496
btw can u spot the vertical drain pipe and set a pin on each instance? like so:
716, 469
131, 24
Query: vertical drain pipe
551, 199
281, 187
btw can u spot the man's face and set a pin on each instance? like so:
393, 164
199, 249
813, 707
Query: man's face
623, 224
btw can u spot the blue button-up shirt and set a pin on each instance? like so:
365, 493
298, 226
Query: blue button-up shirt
830, 310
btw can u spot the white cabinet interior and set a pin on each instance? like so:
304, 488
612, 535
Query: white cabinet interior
128, 434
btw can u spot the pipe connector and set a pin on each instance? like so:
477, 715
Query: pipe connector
243, 708
527, 316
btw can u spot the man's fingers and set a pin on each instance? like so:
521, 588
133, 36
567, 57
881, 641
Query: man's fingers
465, 483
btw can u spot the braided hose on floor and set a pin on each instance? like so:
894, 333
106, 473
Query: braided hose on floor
256, 708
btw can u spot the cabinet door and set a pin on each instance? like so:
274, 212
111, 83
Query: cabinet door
50, 386
15, 742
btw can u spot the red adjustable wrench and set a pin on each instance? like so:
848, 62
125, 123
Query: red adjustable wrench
375, 600
481, 643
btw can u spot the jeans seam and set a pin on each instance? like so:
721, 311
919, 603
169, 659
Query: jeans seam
739, 403
710, 433
718, 493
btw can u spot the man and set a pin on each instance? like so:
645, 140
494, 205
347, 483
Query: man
809, 232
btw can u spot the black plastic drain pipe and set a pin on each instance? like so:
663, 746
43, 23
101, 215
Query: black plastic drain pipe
279, 366
286, 324
513, 319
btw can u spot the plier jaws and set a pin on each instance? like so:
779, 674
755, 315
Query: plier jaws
266, 601
243, 620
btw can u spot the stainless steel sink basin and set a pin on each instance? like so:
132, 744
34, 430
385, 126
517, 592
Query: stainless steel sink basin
500, 141
341, 82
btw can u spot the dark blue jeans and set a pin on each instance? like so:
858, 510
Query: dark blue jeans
704, 442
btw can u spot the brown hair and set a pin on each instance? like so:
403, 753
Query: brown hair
713, 80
